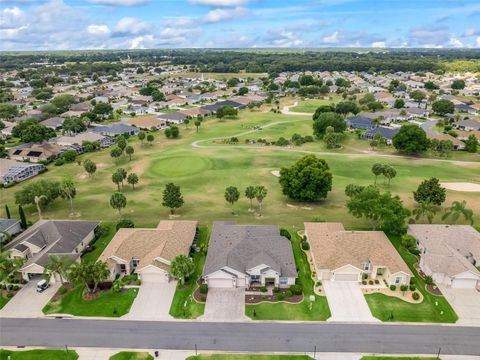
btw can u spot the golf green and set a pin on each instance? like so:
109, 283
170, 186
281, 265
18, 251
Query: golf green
179, 166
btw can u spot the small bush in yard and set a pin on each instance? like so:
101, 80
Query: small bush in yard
364, 282
280, 296
404, 287
428, 280
415, 296
203, 288
288, 293
62, 290
319, 283
377, 282
296, 289
285, 233
364, 276
276, 290
370, 282
305, 245
263, 289
413, 287
138, 282
9, 294
203, 298
393, 287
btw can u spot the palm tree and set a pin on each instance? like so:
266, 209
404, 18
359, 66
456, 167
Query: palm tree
250, 194
67, 188
426, 209
89, 274
231, 195
260, 194
57, 265
38, 200
181, 268
458, 209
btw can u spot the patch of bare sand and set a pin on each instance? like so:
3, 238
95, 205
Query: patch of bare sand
275, 173
461, 186
138, 167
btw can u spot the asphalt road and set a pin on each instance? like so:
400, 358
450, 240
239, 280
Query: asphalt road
294, 337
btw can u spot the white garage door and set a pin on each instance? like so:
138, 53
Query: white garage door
345, 277
157, 277
220, 283
464, 283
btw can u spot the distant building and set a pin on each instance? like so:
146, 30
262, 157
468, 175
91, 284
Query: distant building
13, 171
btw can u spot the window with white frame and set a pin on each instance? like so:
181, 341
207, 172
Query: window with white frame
135, 262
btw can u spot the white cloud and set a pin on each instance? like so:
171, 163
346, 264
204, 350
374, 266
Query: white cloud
454, 42
478, 42
471, 32
287, 39
219, 2
119, 2
141, 42
378, 44
331, 39
98, 29
224, 14
131, 26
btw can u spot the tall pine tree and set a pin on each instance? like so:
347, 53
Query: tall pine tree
23, 219
7, 210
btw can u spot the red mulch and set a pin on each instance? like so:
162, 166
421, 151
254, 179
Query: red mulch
59, 296
90, 296
198, 297
432, 290
255, 299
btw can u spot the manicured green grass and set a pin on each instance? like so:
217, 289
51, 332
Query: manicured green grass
126, 355
204, 173
3, 301
306, 310
433, 308
183, 305
39, 354
310, 105
107, 304
397, 358
100, 244
248, 357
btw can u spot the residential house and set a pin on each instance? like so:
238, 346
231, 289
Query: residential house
360, 122
149, 252
55, 123
386, 132
147, 122
13, 171
35, 152
10, 226
467, 125
246, 255
62, 238
341, 255
457, 144
176, 117
80, 138
449, 254
116, 129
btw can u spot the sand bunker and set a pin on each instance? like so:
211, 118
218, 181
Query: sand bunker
461, 186
275, 173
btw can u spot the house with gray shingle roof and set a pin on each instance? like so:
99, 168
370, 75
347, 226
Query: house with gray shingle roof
246, 255
62, 238
449, 254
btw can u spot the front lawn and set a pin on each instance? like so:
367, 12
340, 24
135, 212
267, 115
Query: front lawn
183, 305
306, 310
127, 355
248, 357
38, 355
100, 244
433, 308
3, 300
107, 304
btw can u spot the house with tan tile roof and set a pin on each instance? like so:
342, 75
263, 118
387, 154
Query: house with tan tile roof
149, 252
449, 253
341, 255
147, 122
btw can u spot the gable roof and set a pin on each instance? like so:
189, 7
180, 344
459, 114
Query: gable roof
387, 133
333, 247
59, 237
448, 247
169, 239
242, 247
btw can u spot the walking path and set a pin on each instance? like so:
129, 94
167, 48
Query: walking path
286, 110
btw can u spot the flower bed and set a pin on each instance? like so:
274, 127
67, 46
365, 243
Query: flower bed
433, 289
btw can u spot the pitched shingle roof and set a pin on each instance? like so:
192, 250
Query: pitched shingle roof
242, 247
333, 247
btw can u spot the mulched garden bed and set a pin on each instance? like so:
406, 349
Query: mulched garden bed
432, 290
201, 298
58, 295
255, 299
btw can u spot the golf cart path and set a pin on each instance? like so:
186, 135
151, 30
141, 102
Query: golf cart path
199, 144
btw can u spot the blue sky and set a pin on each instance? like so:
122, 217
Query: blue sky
125, 24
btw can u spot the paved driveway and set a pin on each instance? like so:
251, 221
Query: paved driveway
346, 302
466, 303
225, 305
27, 302
152, 302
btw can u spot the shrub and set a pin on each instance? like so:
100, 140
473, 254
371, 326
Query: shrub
15, 287
319, 283
364, 276
414, 251
203, 298
404, 287
288, 293
59, 162
305, 245
370, 282
285, 233
125, 223
276, 290
280, 296
263, 289
9, 294
296, 289
138, 282
415, 296
412, 281
364, 282
413, 287
428, 280
377, 282
203, 288
393, 287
